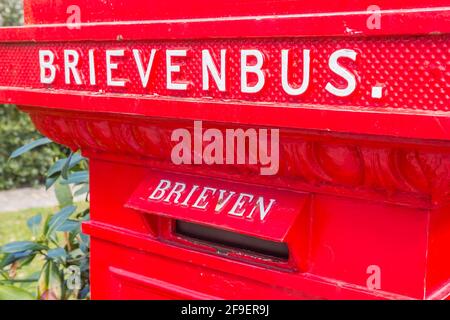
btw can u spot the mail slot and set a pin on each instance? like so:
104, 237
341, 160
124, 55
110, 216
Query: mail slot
230, 240
251, 150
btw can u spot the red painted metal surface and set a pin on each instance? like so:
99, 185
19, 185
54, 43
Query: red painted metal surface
254, 223
412, 80
363, 181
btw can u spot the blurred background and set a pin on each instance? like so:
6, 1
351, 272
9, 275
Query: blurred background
44, 190
21, 179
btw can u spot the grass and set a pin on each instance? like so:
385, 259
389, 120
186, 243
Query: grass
13, 225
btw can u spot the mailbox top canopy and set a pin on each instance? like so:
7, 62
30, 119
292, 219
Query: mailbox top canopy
51, 12
320, 26
220, 19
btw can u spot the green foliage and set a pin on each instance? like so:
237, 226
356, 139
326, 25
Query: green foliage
14, 293
28, 170
11, 12
16, 128
56, 239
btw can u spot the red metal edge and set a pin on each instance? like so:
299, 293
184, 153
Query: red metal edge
37, 11
416, 125
420, 21
315, 286
159, 285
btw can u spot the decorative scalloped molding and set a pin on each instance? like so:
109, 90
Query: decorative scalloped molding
339, 166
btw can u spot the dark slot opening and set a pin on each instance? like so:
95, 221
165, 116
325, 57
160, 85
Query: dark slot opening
231, 239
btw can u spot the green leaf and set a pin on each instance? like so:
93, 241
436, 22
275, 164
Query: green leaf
62, 166
59, 218
56, 168
56, 253
26, 260
84, 243
63, 194
77, 178
77, 253
83, 190
74, 159
46, 225
13, 281
4, 275
33, 224
66, 167
14, 293
50, 284
6, 260
30, 146
19, 246
84, 215
49, 182
69, 226
84, 293
84, 238
17, 256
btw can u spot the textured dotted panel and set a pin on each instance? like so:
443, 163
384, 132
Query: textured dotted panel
414, 72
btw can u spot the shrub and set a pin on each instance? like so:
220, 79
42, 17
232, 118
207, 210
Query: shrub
30, 169
11, 12
16, 128
57, 239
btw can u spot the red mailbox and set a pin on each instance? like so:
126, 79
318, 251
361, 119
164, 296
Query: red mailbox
340, 188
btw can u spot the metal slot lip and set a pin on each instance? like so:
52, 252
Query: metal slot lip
232, 240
